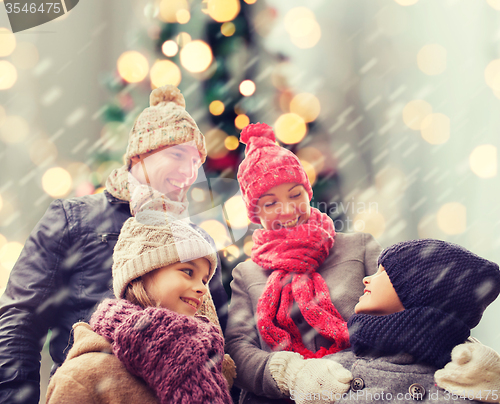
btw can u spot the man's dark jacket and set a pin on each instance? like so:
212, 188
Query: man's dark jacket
62, 273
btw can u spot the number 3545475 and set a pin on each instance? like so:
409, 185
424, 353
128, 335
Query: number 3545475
33, 8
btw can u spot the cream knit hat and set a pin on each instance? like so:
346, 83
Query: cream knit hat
153, 240
165, 123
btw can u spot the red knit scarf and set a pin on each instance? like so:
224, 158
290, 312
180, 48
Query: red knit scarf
294, 255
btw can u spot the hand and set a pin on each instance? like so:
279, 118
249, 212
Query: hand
309, 380
474, 369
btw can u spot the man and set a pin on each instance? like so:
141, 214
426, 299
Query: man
64, 269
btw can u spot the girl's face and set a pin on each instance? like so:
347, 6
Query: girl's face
179, 287
379, 297
286, 205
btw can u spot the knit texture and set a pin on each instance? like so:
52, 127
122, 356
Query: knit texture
266, 166
474, 368
443, 275
299, 377
179, 357
294, 255
426, 333
165, 123
444, 289
156, 242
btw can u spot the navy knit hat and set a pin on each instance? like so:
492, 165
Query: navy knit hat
446, 276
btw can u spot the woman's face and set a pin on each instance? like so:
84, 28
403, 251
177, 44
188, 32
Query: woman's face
379, 297
284, 206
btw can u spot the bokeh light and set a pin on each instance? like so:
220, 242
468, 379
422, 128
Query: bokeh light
247, 88
170, 48
56, 182
218, 232
435, 128
197, 194
183, 16
196, 56
247, 245
231, 253
7, 42
494, 3
370, 221
42, 151
169, 10
290, 128
9, 253
216, 107
183, 39
313, 156
14, 129
294, 17
415, 112
309, 40
165, 72
301, 25
452, 218
236, 212
241, 121
306, 105
431, 59
483, 161
231, 142
492, 74
223, 10
228, 29
310, 171
1, 202
132, 66
8, 75
406, 2
25, 56
215, 143
250, 1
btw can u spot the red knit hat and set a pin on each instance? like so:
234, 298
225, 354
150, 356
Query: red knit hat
266, 166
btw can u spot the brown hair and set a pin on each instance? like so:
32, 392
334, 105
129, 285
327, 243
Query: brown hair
136, 293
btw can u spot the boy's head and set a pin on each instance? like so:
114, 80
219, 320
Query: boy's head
267, 166
438, 274
161, 261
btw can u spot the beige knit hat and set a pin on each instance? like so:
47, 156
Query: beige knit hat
153, 240
165, 123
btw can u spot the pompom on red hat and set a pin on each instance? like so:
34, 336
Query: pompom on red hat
266, 166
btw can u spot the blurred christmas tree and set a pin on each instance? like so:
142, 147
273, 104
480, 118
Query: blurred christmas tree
227, 61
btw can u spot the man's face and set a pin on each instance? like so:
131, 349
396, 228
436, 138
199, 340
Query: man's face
170, 170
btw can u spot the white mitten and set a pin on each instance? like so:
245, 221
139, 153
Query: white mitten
474, 370
309, 380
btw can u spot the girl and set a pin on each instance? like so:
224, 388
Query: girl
303, 280
421, 303
149, 345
